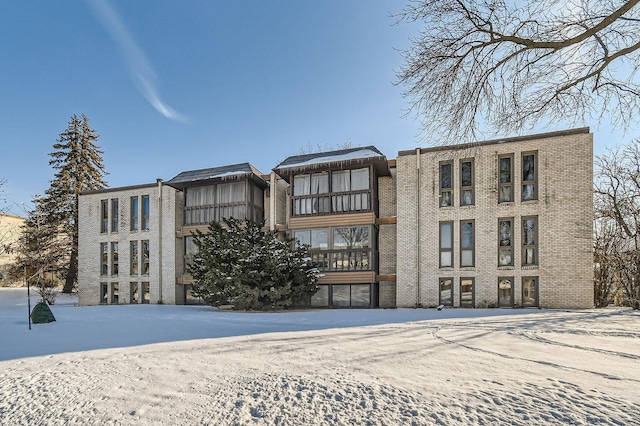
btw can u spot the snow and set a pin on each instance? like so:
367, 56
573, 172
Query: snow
336, 158
183, 365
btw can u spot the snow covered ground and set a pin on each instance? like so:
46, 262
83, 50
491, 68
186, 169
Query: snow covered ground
185, 365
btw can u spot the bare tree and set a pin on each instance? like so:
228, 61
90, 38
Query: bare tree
512, 64
617, 209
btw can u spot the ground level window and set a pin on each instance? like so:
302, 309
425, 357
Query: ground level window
321, 298
146, 294
529, 292
104, 293
505, 292
344, 296
446, 292
133, 293
115, 292
467, 299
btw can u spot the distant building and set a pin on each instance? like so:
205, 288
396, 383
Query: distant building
10, 233
503, 223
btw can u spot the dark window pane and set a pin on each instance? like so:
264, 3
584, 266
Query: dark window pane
445, 175
505, 233
529, 232
528, 167
467, 178
505, 170
446, 292
341, 295
467, 234
321, 298
360, 295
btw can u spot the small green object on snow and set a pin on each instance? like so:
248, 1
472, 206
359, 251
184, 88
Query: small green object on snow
41, 314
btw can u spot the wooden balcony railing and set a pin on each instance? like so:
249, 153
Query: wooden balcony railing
344, 260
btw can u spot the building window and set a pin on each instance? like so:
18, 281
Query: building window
467, 243
115, 214
114, 258
445, 295
529, 176
231, 201
338, 249
505, 292
104, 216
311, 194
146, 293
466, 183
134, 213
190, 250
133, 296
505, 180
467, 296
530, 292
115, 292
351, 295
446, 244
505, 242
145, 212
355, 183
446, 184
321, 297
529, 241
134, 258
145, 257
104, 259
104, 293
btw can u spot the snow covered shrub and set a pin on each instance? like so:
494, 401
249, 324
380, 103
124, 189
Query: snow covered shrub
238, 264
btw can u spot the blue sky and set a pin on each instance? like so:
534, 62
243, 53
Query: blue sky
172, 86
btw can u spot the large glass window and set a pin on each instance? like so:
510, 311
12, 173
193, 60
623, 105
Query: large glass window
308, 185
104, 258
446, 244
505, 180
466, 183
331, 192
146, 212
467, 297
529, 241
529, 292
104, 216
338, 249
231, 200
321, 297
145, 257
446, 184
505, 242
114, 259
190, 250
529, 176
134, 213
445, 295
115, 214
505, 292
133, 250
356, 182
467, 243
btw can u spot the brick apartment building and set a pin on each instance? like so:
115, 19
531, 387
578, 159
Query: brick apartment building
504, 223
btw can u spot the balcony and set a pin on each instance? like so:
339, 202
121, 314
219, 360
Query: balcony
343, 260
203, 215
334, 203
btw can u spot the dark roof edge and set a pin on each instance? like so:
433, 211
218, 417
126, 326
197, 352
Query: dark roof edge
568, 132
121, 188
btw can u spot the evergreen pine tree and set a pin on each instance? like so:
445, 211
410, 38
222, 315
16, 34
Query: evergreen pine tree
77, 160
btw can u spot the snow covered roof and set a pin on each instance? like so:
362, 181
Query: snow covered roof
202, 176
343, 158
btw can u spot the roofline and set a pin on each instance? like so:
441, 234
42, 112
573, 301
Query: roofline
14, 216
121, 188
559, 133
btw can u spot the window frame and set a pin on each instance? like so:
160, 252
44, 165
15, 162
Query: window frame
534, 181
104, 259
451, 293
442, 249
510, 247
473, 293
537, 290
134, 258
145, 260
104, 293
134, 293
115, 258
134, 214
508, 184
473, 243
445, 190
115, 293
534, 246
145, 215
115, 214
512, 290
471, 187
104, 216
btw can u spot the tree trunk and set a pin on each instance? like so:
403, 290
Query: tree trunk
72, 273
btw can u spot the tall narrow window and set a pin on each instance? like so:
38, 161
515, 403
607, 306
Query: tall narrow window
133, 296
134, 213
505, 179
529, 176
104, 259
133, 249
104, 293
505, 242
104, 216
445, 296
467, 299
446, 184
529, 292
146, 293
529, 241
466, 183
145, 257
467, 243
505, 292
115, 214
145, 212
114, 258
446, 244
115, 292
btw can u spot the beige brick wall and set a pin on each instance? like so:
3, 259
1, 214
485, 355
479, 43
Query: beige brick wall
162, 260
564, 211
